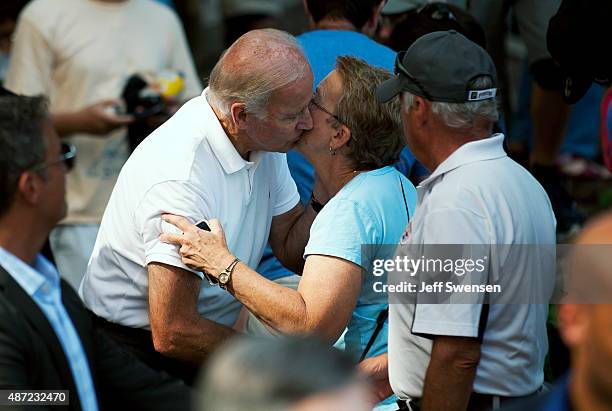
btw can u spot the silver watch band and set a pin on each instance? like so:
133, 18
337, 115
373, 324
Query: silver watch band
228, 270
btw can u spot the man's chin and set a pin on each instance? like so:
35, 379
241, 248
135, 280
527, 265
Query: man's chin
297, 144
292, 145
286, 148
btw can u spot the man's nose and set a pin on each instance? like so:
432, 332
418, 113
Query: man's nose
305, 122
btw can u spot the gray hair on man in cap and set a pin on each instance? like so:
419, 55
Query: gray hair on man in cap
448, 87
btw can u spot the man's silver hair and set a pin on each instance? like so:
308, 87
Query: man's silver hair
257, 64
463, 115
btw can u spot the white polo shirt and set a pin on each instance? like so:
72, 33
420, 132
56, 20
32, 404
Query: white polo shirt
188, 167
478, 195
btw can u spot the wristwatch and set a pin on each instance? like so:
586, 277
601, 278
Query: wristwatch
226, 275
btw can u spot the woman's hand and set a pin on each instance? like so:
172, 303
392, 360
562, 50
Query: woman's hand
377, 371
200, 250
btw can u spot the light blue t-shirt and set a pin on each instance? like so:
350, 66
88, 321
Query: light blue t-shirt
369, 210
42, 283
322, 47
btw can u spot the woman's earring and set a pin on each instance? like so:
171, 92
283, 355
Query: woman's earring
332, 152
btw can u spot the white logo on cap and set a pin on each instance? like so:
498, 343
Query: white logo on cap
477, 95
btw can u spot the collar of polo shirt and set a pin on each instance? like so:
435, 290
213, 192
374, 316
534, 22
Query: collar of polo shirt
480, 150
222, 147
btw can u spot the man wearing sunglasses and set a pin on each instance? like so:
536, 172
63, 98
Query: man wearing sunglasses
47, 337
467, 356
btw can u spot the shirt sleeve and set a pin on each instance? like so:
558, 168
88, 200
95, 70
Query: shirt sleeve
172, 197
285, 190
30, 68
340, 229
457, 318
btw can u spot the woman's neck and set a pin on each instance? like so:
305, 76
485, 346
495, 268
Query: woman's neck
335, 174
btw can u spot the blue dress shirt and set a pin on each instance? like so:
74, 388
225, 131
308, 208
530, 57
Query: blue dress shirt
42, 283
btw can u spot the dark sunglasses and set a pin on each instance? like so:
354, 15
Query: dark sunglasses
400, 70
68, 156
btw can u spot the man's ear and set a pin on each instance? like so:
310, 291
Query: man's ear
573, 323
29, 187
369, 28
238, 113
308, 14
422, 111
341, 137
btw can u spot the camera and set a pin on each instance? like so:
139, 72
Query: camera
147, 95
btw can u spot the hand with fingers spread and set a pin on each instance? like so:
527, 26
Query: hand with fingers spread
200, 250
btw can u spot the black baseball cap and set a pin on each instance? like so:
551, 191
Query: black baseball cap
441, 66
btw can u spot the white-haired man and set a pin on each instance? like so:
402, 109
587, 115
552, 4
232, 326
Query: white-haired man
212, 159
467, 356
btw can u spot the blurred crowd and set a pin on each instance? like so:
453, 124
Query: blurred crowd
193, 194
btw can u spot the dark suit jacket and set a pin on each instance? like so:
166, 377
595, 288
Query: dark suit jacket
31, 357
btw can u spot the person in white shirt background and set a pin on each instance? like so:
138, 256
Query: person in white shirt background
81, 54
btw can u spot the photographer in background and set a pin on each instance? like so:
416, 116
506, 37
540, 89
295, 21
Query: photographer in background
81, 53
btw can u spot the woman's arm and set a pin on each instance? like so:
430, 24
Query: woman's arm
322, 305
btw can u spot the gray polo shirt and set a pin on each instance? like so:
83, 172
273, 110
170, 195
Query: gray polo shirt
478, 195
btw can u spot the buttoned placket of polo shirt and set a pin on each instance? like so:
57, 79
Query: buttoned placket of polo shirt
251, 168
